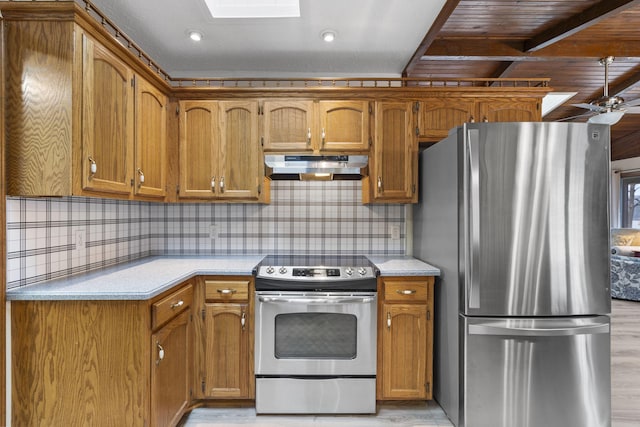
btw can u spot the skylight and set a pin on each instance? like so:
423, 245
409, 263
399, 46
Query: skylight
254, 8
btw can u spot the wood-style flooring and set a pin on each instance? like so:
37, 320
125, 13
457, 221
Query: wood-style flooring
625, 392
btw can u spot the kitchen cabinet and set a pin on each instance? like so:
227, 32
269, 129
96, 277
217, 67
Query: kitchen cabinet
393, 160
220, 155
226, 368
301, 126
82, 121
98, 362
405, 338
437, 116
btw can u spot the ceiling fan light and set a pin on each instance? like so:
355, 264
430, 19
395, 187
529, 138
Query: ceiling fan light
610, 118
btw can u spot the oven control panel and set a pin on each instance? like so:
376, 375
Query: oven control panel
315, 273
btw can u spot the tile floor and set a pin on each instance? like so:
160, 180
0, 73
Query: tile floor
404, 415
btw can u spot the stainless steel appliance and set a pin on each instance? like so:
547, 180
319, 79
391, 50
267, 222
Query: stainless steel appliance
515, 215
315, 340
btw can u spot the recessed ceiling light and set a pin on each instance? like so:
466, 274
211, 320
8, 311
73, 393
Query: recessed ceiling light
328, 35
254, 8
196, 36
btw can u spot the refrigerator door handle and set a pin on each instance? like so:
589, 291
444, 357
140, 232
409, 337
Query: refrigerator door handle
473, 237
535, 332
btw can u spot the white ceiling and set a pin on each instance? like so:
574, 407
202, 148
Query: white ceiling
374, 37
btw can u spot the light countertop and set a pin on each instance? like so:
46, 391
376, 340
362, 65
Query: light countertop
146, 278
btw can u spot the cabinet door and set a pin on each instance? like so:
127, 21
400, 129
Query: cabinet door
170, 368
404, 348
198, 148
151, 140
344, 125
289, 126
226, 352
510, 110
239, 156
394, 153
436, 116
107, 120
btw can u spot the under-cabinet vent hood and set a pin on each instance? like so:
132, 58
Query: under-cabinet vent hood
319, 167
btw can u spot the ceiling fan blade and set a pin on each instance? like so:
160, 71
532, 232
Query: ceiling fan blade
566, 119
632, 103
610, 118
589, 107
631, 110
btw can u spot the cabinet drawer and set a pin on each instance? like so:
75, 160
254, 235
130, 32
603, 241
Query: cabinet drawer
405, 290
226, 290
168, 307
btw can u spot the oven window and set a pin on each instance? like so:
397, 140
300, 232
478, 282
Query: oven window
316, 336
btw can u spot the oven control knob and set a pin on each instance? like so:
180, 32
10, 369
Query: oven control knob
282, 270
349, 271
362, 271
270, 270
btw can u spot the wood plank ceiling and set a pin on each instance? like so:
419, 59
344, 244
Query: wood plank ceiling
559, 39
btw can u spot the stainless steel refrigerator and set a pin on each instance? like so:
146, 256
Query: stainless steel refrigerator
515, 215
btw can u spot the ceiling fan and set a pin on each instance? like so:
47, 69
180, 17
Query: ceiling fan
607, 109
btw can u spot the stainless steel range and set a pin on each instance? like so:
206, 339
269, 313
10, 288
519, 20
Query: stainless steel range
315, 342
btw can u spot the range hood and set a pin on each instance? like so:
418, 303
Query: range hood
311, 166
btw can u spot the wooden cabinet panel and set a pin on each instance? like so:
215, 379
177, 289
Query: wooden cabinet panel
288, 125
344, 125
150, 140
404, 343
227, 350
405, 338
170, 369
227, 290
393, 168
107, 120
198, 122
240, 161
437, 116
510, 110
169, 306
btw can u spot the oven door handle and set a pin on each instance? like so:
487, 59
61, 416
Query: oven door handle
317, 300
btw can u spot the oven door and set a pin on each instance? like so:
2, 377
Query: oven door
315, 333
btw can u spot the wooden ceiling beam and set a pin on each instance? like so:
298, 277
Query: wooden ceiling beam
431, 35
578, 22
629, 82
626, 146
485, 49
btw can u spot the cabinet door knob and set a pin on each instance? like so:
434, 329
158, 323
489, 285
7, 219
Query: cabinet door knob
243, 319
323, 135
379, 183
94, 167
213, 184
406, 291
309, 136
160, 353
140, 176
388, 320
222, 184
177, 305
227, 291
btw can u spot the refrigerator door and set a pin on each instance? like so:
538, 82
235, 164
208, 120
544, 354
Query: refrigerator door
536, 222
535, 372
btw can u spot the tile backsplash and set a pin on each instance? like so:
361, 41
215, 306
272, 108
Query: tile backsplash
55, 237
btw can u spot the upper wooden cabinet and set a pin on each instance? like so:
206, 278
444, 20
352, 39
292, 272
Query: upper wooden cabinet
324, 126
107, 120
220, 156
437, 116
394, 156
82, 122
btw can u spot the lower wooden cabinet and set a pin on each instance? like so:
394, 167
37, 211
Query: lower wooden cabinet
226, 338
98, 363
405, 338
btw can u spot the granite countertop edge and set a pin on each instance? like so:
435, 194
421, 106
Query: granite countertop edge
146, 278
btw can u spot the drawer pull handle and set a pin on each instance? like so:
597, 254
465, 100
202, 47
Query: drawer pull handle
160, 353
227, 291
388, 320
177, 304
243, 319
406, 291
